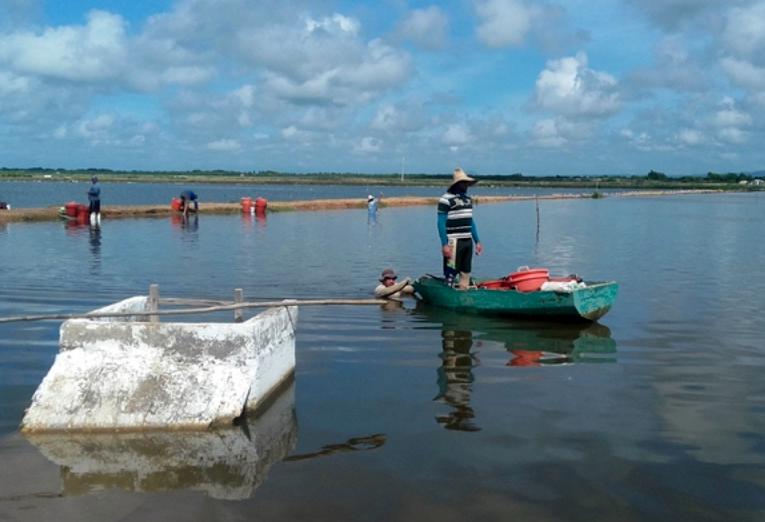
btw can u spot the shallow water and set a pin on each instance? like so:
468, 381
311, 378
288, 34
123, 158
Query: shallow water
25, 194
656, 413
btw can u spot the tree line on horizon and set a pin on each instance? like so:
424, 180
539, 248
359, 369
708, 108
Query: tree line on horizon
653, 175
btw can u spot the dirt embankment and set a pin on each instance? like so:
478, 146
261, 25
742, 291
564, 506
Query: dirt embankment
134, 211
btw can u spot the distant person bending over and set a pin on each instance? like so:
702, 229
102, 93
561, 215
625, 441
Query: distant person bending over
94, 201
187, 197
457, 230
390, 289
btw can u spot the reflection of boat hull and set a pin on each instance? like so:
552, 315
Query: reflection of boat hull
538, 341
225, 464
590, 303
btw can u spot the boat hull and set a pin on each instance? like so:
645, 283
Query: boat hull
589, 303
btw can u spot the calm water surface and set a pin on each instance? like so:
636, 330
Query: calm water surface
24, 194
656, 413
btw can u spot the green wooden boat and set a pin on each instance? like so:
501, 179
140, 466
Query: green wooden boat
589, 303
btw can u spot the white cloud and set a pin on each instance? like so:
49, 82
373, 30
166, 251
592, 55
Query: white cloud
672, 14
733, 135
547, 133
744, 31
96, 127
333, 24
368, 144
730, 117
640, 140
504, 22
690, 137
568, 87
93, 52
426, 27
744, 74
224, 145
246, 95
457, 134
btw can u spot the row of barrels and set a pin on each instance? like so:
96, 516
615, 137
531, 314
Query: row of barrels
80, 212
249, 205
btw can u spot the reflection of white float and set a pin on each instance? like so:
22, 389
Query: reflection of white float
225, 464
128, 373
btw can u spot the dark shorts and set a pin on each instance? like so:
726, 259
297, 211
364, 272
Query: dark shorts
463, 259
95, 206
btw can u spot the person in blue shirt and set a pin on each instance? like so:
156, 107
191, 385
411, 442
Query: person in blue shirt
188, 197
457, 229
94, 201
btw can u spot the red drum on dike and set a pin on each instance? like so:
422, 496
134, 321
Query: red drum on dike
71, 208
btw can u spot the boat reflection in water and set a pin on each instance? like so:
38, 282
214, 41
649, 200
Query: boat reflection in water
225, 464
529, 343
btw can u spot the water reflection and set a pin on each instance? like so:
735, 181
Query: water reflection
187, 225
225, 464
532, 343
455, 379
367, 442
257, 218
95, 246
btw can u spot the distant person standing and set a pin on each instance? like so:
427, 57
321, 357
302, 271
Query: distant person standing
457, 230
187, 197
371, 204
94, 201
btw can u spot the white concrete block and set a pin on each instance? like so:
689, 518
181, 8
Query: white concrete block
126, 375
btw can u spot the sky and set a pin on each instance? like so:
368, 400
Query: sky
566, 87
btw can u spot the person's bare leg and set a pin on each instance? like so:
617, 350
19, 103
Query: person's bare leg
464, 280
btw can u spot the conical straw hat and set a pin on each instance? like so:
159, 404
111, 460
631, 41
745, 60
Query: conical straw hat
460, 175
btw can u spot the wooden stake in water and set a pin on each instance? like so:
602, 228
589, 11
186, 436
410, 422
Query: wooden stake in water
536, 199
238, 298
153, 302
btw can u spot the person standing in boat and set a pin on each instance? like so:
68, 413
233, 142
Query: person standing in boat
457, 229
94, 201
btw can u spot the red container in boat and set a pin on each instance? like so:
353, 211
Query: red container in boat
175, 204
246, 204
529, 279
495, 284
71, 208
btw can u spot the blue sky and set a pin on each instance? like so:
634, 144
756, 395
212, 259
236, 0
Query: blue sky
571, 87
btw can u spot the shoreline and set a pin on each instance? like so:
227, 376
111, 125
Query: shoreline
147, 211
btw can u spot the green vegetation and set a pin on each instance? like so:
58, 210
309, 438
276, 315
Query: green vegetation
652, 180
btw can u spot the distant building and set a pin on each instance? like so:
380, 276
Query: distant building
758, 182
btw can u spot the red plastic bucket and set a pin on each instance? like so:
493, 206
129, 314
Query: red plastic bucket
246, 204
529, 280
260, 206
83, 214
175, 204
71, 208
